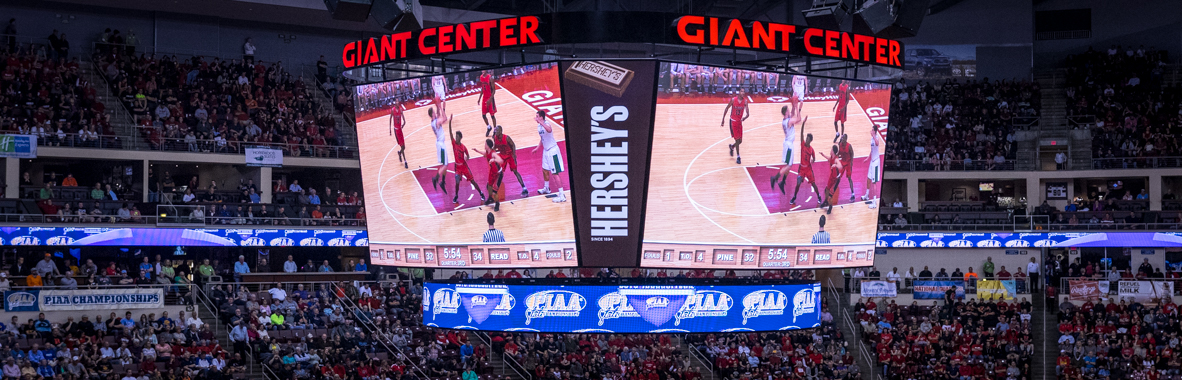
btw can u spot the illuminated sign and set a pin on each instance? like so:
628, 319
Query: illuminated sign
623, 27
622, 309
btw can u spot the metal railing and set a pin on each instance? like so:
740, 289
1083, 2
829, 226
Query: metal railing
906, 285
1137, 163
922, 165
700, 356
508, 360
863, 354
1112, 291
169, 289
1081, 121
203, 299
1025, 122
373, 330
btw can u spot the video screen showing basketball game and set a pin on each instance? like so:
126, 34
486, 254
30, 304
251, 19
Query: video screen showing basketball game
467, 169
758, 169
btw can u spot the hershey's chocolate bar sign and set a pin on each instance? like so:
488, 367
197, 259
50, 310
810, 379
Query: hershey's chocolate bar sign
609, 108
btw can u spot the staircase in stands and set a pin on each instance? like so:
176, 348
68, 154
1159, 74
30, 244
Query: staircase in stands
121, 120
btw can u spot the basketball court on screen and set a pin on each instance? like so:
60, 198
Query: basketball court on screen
408, 209
694, 182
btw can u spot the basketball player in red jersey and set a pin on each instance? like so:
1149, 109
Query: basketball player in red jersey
835, 169
845, 153
461, 155
843, 100
397, 121
508, 152
496, 173
488, 106
738, 112
807, 155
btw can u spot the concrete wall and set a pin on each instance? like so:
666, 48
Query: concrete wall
1128, 23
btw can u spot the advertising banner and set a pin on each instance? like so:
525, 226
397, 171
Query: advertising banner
622, 309
1024, 240
609, 105
934, 290
1085, 290
996, 289
879, 288
193, 237
19, 146
1144, 291
84, 299
258, 156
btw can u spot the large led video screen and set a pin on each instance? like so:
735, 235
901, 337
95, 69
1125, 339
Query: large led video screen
467, 169
755, 169
622, 309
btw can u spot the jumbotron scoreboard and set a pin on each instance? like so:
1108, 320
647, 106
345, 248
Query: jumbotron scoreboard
623, 163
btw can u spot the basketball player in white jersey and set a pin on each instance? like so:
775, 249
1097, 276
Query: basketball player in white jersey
551, 158
874, 174
800, 88
789, 125
438, 119
439, 86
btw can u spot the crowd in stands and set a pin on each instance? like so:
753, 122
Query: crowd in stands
48, 272
290, 204
1119, 340
808, 354
958, 126
200, 104
1136, 119
44, 94
958, 339
596, 356
337, 331
147, 347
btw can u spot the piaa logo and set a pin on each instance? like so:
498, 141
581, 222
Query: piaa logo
338, 242
990, 243
553, 303
903, 244
932, 244
60, 240
282, 242
804, 302
705, 303
362, 242
960, 243
614, 305
479, 300
764, 302
254, 241
656, 302
312, 242
447, 301
26, 240
21, 299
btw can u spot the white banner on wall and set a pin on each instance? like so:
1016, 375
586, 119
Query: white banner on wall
137, 298
879, 289
1144, 291
264, 157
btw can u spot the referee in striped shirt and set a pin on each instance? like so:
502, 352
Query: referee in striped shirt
821, 237
493, 235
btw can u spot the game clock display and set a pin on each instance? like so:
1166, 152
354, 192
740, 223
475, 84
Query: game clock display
755, 257
483, 255
622, 309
